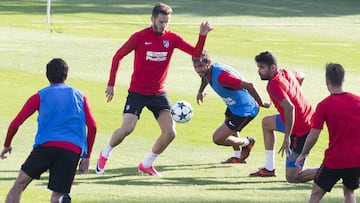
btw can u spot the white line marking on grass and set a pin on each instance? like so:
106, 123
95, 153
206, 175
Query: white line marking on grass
232, 23
267, 7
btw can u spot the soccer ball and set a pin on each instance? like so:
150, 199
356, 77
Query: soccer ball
181, 111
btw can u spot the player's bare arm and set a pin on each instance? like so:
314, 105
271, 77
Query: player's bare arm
201, 94
309, 143
289, 114
253, 91
84, 165
109, 93
5, 151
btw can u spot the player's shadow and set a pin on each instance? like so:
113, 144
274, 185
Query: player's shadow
130, 176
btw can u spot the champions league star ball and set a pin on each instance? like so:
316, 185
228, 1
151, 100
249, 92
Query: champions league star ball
181, 111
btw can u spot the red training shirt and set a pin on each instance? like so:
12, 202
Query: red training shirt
283, 85
152, 58
340, 112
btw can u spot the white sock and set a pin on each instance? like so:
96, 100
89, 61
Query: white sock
61, 198
270, 160
106, 151
237, 153
149, 159
246, 142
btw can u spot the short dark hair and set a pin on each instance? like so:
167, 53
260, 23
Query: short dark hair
205, 57
335, 74
57, 70
267, 58
161, 8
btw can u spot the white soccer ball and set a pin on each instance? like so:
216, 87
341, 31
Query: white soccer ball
181, 111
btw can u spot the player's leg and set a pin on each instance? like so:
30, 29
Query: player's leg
270, 124
62, 173
57, 197
128, 125
226, 135
36, 163
21, 182
350, 179
131, 114
349, 196
316, 193
167, 127
236, 148
295, 174
160, 107
237, 153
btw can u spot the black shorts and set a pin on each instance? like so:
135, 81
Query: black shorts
234, 122
297, 143
135, 102
61, 164
326, 178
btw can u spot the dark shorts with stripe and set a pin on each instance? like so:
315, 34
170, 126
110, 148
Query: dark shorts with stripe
326, 178
135, 102
235, 122
61, 164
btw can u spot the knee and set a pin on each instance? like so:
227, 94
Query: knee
267, 122
170, 135
125, 130
292, 179
217, 140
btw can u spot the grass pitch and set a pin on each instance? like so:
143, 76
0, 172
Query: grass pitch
305, 35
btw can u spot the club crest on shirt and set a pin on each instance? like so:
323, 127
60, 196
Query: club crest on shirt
166, 43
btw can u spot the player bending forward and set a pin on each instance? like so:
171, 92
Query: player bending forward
242, 104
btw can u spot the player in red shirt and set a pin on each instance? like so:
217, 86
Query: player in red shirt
284, 89
342, 157
153, 47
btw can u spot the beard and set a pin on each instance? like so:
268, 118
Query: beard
157, 30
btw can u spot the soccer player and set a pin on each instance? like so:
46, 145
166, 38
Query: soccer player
153, 47
295, 111
241, 99
342, 157
66, 134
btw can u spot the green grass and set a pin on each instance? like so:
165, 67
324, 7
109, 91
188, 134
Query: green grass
305, 35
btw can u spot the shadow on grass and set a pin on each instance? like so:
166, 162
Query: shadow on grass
130, 176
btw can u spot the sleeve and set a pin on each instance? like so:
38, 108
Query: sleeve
31, 105
297, 74
318, 118
188, 48
124, 50
91, 126
277, 91
228, 80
